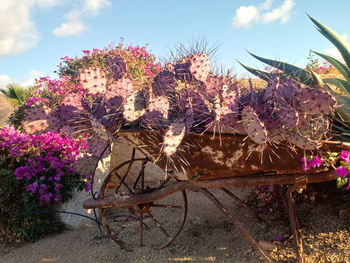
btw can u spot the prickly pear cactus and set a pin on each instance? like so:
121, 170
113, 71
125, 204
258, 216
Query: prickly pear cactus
116, 66
126, 89
314, 101
39, 119
193, 68
254, 127
93, 80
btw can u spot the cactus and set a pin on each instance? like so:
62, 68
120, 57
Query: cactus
93, 80
173, 137
164, 83
287, 116
303, 142
39, 119
314, 101
116, 66
193, 68
254, 127
134, 106
157, 112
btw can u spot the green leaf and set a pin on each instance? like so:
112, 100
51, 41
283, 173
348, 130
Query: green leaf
345, 71
337, 40
261, 74
341, 182
295, 72
340, 83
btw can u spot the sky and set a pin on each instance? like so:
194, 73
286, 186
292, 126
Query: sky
35, 34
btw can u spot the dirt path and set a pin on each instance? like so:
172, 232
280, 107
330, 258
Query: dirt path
206, 237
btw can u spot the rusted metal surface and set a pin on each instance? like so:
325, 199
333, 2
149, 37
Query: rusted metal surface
204, 156
252, 180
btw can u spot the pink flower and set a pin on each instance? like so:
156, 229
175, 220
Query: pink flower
341, 171
316, 162
86, 51
345, 156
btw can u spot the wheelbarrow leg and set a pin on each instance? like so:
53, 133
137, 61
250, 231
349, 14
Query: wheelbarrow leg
237, 224
298, 240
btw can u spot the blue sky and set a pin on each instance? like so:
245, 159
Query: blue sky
34, 34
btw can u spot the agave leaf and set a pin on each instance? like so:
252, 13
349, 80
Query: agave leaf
289, 69
317, 79
337, 64
337, 40
340, 83
261, 74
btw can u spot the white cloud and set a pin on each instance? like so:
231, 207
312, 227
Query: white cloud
247, 15
73, 24
4, 80
28, 81
266, 5
70, 28
18, 32
32, 76
282, 13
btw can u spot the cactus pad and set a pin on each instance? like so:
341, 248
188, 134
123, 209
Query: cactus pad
254, 127
193, 68
314, 101
39, 119
93, 80
173, 137
116, 66
303, 142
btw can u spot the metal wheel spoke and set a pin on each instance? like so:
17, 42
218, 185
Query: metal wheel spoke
121, 182
167, 206
141, 175
159, 225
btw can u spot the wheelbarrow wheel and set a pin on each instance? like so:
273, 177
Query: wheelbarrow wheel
154, 224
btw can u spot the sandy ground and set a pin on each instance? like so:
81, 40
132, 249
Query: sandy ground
206, 237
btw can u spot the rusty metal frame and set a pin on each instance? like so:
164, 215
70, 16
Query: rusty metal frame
297, 182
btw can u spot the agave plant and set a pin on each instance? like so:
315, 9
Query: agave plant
306, 77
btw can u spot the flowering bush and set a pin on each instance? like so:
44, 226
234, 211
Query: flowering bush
340, 162
139, 61
36, 172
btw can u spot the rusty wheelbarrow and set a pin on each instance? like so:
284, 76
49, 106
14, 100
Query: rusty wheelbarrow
132, 197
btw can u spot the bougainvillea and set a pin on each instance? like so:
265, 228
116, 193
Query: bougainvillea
36, 172
339, 162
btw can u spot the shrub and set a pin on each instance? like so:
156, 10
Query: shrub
36, 172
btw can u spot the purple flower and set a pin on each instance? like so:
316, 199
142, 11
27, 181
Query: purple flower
345, 156
87, 186
316, 162
279, 238
341, 171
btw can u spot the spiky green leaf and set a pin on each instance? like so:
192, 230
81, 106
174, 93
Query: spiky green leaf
261, 74
345, 71
341, 182
337, 40
295, 72
340, 83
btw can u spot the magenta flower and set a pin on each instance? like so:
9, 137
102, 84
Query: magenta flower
345, 156
316, 162
341, 171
